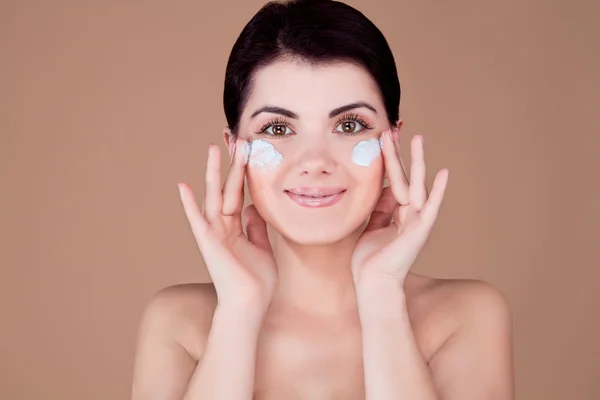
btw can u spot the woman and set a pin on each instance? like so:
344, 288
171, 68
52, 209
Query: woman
322, 306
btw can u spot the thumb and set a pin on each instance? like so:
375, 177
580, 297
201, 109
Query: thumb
256, 228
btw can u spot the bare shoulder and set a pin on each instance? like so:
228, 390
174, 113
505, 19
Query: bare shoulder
182, 313
440, 308
462, 297
172, 335
182, 299
466, 334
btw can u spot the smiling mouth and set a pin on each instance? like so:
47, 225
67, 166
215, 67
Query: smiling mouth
315, 197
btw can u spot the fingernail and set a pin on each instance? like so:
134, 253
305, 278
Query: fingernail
382, 137
396, 135
232, 149
246, 146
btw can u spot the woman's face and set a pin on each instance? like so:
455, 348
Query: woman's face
315, 169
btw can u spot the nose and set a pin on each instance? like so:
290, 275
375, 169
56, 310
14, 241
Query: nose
316, 159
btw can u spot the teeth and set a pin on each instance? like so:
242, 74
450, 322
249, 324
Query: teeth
319, 196
313, 196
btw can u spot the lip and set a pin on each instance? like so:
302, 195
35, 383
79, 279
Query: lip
315, 197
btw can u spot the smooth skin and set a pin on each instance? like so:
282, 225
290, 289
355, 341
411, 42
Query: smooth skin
399, 335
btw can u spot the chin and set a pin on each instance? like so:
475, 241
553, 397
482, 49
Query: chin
316, 234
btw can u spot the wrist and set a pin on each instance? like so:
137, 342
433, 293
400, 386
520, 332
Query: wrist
374, 289
381, 302
237, 310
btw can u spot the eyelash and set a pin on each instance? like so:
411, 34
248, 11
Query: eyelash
345, 118
354, 118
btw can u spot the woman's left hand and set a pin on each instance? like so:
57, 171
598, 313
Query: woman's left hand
402, 219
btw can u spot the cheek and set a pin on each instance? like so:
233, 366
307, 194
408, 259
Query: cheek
263, 156
369, 187
367, 166
366, 152
260, 183
263, 160
260, 190
370, 178
262, 173
366, 161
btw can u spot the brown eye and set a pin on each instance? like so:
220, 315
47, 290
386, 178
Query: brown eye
351, 124
276, 130
279, 130
348, 126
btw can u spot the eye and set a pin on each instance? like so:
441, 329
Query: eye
349, 127
351, 124
278, 130
275, 128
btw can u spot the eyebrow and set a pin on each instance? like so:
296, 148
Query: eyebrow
333, 113
351, 106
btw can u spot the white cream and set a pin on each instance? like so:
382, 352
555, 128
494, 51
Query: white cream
263, 154
366, 151
246, 150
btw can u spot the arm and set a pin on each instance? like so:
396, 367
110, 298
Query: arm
476, 361
226, 370
242, 268
164, 368
393, 364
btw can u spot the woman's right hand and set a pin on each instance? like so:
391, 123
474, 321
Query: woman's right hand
240, 265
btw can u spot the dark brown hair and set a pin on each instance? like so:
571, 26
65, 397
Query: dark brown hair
314, 31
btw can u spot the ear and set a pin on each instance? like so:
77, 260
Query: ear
399, 125
229, 141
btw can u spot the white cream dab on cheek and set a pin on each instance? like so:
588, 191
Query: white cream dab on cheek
264, 154
366, 151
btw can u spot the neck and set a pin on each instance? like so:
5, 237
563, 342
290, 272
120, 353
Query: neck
314, 279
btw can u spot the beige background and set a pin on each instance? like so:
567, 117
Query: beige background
106, 105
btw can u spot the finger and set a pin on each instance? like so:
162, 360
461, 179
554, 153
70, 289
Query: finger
213, 198
383, 212
418, 184
232, 150
195, 218
396, 176
233, 189
256, 228
431, 208
396, 138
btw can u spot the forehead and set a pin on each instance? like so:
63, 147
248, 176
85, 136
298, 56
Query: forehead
309, 89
